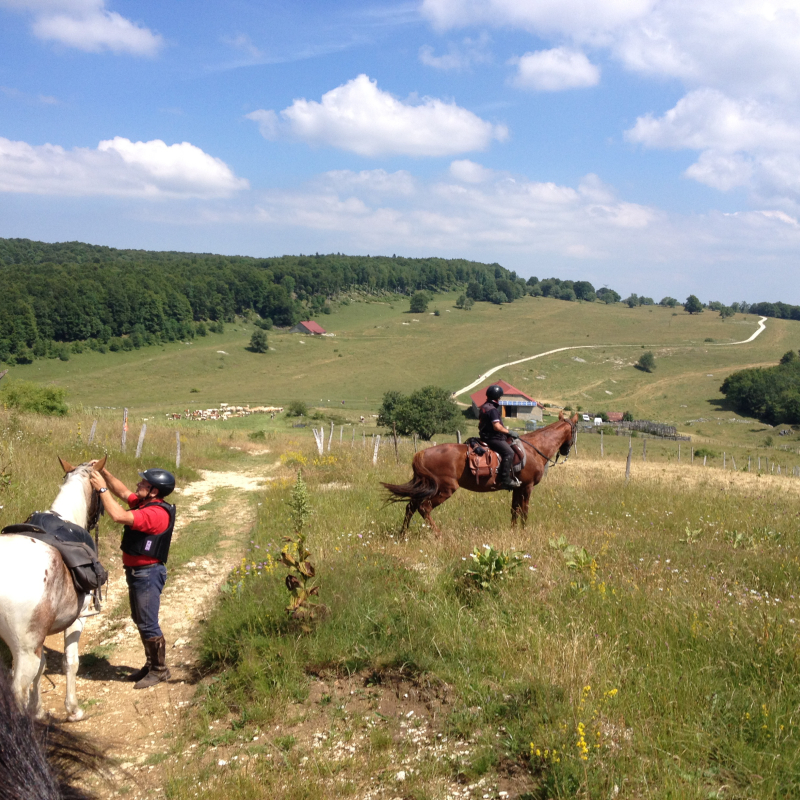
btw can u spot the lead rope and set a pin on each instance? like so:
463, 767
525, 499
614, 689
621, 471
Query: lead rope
97, 594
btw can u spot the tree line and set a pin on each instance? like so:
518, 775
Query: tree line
57, 295
771, 394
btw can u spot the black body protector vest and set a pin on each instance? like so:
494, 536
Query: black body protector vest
152, 545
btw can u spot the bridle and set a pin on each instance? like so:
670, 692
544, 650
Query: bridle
548, 459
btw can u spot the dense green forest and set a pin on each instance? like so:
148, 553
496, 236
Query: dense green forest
60, 298
771, 394
56, 294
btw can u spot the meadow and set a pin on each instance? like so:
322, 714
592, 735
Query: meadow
646, 646
641, 641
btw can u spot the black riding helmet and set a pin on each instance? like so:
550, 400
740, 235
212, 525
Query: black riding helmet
494, 392
162, 480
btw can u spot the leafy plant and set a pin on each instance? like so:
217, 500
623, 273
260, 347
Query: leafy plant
575, 557
647, 362
300, 582
490, 566
296, 408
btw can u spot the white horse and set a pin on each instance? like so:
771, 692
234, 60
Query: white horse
38, 598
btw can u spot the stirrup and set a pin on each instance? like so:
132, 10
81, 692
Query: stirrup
96, 607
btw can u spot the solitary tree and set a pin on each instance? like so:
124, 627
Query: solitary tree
419, 303
258, 342
647, 362
693, 305
425, 412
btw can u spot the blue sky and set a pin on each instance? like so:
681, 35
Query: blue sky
649, 145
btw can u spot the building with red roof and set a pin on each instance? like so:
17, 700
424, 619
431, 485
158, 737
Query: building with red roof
309, 327
514, 403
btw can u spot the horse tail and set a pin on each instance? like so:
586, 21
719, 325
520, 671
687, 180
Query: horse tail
421, 487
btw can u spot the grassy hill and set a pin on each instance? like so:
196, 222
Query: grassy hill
380, 346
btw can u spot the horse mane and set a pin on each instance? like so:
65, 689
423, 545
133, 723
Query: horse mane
41, 761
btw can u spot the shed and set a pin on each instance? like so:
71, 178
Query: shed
308, 327
514, 403
615, 416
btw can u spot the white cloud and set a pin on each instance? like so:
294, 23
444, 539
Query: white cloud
117, 167
87, 25
361, 118
467, 171
372, 181
459, 56
742, 143
539, 16
555, 70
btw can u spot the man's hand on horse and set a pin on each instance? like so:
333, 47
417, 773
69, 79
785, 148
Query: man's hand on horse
513, 434
97, 480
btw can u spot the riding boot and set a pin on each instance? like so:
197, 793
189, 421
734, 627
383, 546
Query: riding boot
140, 673
505, 480
159, 672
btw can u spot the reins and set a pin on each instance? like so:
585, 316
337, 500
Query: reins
549, 459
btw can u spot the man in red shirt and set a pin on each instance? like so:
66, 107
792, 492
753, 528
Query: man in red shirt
147, 534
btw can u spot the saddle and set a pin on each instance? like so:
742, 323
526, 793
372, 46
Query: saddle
483, 462
73, 543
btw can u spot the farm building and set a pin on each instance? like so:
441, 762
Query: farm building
308, 327
615, 416
514, 403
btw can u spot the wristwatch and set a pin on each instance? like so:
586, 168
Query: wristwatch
104, 489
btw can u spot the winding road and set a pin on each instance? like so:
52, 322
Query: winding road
762, 325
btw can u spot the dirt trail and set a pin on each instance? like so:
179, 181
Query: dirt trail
136, 724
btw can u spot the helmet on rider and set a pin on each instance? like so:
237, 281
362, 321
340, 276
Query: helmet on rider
161, 479
494, 392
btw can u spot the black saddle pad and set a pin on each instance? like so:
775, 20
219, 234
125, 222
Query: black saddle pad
53, 524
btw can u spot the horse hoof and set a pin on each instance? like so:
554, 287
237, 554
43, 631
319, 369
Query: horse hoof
76, 717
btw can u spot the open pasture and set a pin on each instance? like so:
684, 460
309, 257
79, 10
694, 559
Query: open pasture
647, 645
379, 346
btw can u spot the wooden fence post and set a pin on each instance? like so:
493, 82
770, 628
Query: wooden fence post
748, 463
177, 448
458, 437
601, 444
394, 433
692, 461
141, 440
644, 449
330, 438
704, 460
375, 454
353, 441
679, 452
415, 442
124, 428
733, 462
92, 432
341, 434
628, 462
363, 438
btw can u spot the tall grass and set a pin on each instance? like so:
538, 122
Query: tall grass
662, 664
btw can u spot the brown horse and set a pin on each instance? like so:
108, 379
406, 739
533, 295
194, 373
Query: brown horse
440, 470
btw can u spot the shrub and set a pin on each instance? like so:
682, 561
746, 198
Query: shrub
704, 452
258, 342
419, 303
647, 362
425, 412
29, 396
296, 408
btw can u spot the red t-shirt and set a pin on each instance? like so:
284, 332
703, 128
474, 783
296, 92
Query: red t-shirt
153, 519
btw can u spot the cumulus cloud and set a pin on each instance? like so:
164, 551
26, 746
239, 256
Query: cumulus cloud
555, 70
467, 171
87, 25
118, 167
363, 119
742, 143
372, 181
538, 16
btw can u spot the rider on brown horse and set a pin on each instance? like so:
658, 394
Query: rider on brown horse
494, 433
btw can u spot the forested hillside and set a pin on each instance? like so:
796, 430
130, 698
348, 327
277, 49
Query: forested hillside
73, 292
771, 394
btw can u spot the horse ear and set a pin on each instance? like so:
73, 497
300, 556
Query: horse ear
574, 420
100, 465
65, 465
561, 414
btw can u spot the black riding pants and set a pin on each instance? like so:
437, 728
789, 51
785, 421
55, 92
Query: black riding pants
501, 447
